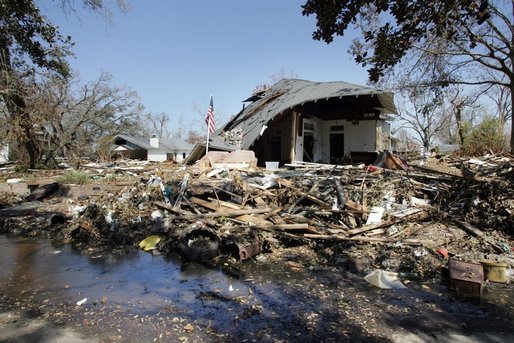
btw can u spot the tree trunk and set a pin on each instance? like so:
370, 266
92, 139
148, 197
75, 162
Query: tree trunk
460, 129
512, 118
16, 106
27, 145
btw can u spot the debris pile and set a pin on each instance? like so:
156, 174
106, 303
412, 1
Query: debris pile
403, 218
233, 137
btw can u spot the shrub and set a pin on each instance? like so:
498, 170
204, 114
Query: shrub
74, 177
488, 136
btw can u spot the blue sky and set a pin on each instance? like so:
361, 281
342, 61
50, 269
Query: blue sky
176, 53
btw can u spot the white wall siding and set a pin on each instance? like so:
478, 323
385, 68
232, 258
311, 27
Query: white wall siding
360, 136
179, 157
157, 155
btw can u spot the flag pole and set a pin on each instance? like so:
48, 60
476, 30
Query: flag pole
208, 129
207, 144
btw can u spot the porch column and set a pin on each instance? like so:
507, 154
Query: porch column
294, 124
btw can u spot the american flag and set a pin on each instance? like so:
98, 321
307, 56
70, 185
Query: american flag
209, 119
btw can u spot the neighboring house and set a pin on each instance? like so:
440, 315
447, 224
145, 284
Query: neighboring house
152, 149
312, 122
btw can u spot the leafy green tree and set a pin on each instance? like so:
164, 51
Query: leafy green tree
477, 36
486, 137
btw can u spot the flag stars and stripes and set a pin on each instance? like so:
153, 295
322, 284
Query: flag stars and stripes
209, 119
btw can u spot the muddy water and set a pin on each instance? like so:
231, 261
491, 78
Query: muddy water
134, 296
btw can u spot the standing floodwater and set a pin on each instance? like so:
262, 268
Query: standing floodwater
136, 296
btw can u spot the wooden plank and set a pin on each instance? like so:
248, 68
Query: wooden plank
353, 206
257, 220
181, 211
334, 226
229, 213
315, 200
364, 239
206, 204
259, 202
229, 165
284, 183
226, 204
278, 219
416, 216
296, 226
453, 172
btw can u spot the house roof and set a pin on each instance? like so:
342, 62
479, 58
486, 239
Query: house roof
170, 144
289, 93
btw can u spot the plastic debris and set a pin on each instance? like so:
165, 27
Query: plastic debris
149, 243
384, 279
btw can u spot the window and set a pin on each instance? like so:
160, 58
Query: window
308, 126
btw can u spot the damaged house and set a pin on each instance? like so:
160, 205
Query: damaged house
299, 120
152, 149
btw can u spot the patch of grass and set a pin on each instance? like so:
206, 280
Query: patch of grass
74, 177
19, 169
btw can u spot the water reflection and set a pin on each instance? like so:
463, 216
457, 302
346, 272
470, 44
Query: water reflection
48, 271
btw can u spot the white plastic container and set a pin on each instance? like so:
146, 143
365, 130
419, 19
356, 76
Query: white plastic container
271, 165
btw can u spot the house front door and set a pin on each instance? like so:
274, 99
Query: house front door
336, 144
336, 147
308, 147
308, 140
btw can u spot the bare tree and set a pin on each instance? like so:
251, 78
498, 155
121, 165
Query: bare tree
405, 141
459, 104
71, 117
422, 112
500, 96
158, 124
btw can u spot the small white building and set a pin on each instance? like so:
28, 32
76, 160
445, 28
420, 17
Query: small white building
152, 149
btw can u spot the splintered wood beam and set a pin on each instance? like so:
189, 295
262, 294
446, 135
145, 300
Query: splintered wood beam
216, 214
181, 211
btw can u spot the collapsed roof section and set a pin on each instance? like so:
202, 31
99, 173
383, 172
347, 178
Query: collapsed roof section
329, 100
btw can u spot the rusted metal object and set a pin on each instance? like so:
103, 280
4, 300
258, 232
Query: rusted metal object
247, 251
466, 278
